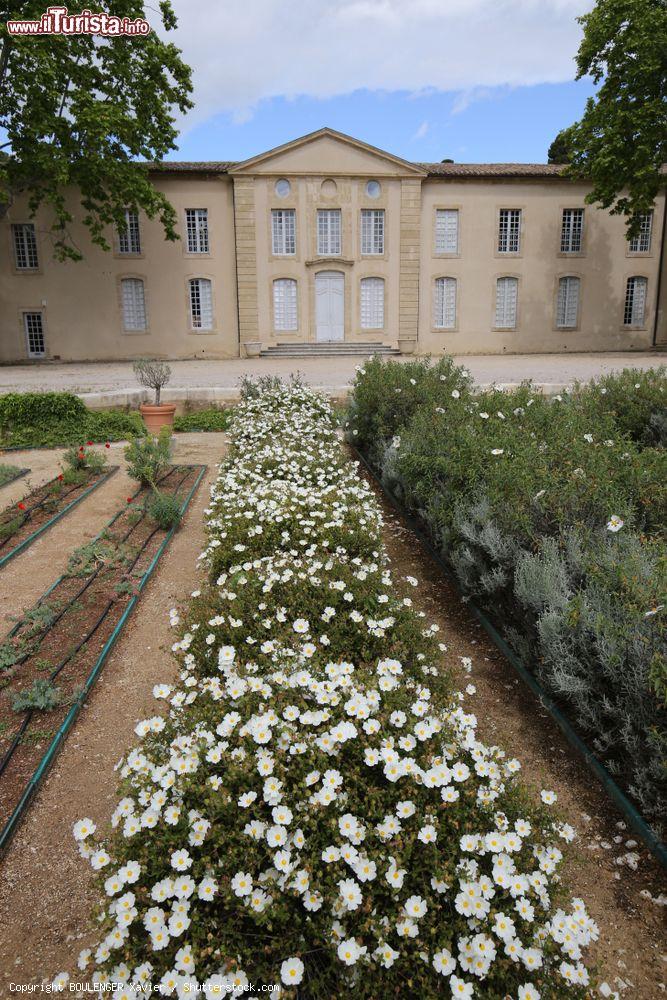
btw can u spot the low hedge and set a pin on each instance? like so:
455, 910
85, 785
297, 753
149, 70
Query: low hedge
315, 808
212, 418
52, 419
552, 514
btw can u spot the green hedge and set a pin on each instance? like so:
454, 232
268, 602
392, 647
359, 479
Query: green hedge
49, 419
521, 495
213, 418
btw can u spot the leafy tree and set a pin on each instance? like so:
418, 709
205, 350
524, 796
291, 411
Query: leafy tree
621, 141
560, 150
79, 110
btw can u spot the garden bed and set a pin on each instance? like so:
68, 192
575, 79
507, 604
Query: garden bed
22, 523
54, 653
10, 473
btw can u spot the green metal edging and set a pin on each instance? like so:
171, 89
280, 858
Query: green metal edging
19, 474
43, 766
48, 524
657, 848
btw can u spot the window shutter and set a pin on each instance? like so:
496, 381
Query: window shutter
444, 306
372, 303
447, 230
134, 304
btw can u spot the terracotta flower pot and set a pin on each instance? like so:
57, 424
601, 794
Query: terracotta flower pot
156, 417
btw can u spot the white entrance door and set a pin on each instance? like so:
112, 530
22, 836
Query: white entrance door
329, 306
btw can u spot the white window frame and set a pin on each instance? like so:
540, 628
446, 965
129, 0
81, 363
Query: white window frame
509, 230
24, 240
567, 302
447, 230
444, 303
572, 230
371, 303
329, 227
641, 243
636, 297
507, 302
133, 304
285, 305
196, 229
200, 300
28, 333
129, 237
283, 232
372, 232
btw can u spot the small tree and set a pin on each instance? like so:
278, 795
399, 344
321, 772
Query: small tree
153, 375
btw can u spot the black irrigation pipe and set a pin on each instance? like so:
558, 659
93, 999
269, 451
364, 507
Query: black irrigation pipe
17, 475
657, 848
43, 766
61, 513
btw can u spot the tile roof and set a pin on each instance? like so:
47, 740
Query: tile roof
482, 170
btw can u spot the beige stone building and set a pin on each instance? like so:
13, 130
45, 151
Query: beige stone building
329, 241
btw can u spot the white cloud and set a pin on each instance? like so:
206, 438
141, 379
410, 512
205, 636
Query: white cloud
421, 131
242, 52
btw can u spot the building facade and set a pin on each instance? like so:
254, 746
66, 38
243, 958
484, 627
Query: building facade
329, 240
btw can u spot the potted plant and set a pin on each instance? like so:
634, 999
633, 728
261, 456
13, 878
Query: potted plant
154, 375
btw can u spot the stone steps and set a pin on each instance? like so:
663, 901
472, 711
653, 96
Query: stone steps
337, 349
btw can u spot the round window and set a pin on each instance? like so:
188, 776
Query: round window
283, 187
373, 189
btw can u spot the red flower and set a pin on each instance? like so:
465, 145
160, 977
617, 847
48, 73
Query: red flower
89, 443
107, 445
21, 506
60, 477
129, 499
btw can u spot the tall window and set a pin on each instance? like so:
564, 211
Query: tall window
196, 224
641, 243
572, 230
25, 247
372, 230
34, 334
134, 304
283, 231
509, 230
635, 302
328, 232
567, 305
507, 291
285, 315
372, 303
444, 303
129, 237
201, 304
447, 230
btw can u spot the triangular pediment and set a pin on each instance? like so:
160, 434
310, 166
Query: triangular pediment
328, 152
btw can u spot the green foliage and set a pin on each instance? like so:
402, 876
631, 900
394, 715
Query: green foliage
33, 408
42, 697
100, 552
10, 652
80, 110
148, 457
49, 419
165, 509
83, 459
213, 418
560, 150
620, 144
8, 473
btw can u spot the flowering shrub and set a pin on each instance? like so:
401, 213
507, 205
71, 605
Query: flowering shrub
315, 808
552, 514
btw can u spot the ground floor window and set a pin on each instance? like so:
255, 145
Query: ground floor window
567, 306
635, 301
33, 323
285, 316
201, 304
507, 293
134, 304
444, 304
372, 303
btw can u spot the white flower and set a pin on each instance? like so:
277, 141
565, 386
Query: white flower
242, 884
497, 451
615, 523
350, 893
84, 828
301, 626
291, 971
415, 907
548, 797
349, 951
428, 834
460, 989
443, 962
181, 861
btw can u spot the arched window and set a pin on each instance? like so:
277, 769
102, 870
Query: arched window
201, 304
567, 304
635, 301
444, 303
134, 304
285, 315
372, 303
507, 293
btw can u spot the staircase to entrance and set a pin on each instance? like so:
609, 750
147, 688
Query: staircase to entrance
323, 349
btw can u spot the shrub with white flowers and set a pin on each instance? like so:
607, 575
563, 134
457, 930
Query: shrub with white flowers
315, 808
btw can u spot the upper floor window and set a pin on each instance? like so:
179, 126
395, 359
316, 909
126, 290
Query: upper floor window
507, 293
372, 230
328, 232
285, 304
447, 230
572, 230
196, 224
134, 304
444, 303
283, 231
567, 305
201, 304
509, 230
25, 247
35, 342
641, 243
372, 303
635, 301
129, 237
